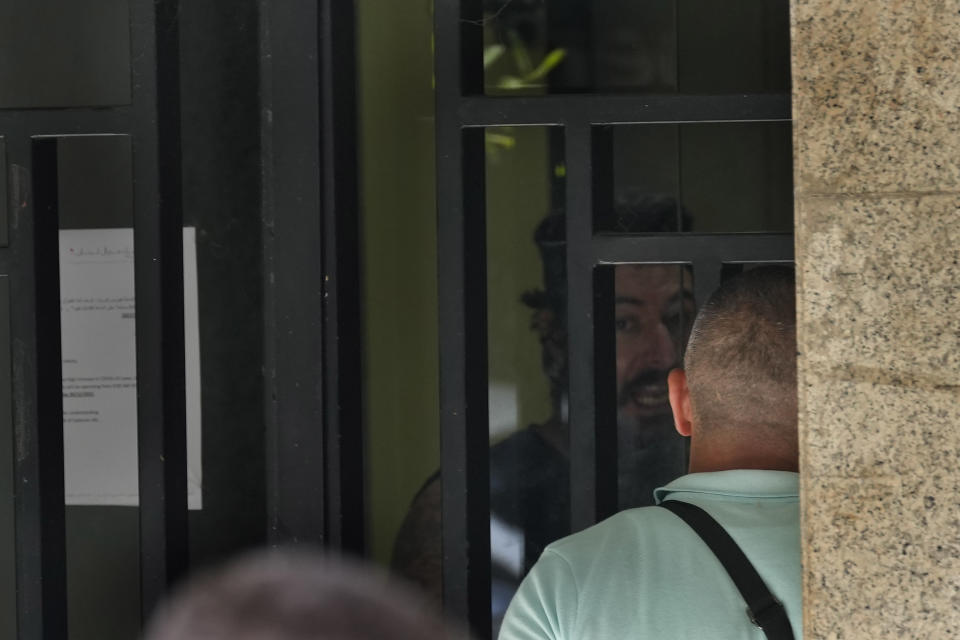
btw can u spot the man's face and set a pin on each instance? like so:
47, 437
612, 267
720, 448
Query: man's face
654, 310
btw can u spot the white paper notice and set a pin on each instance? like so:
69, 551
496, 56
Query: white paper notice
100, 367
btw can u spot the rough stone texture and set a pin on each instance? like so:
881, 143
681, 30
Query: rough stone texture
886, 577
877, 176
876, 95
882, 280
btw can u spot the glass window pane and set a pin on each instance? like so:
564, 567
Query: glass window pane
653, 309
709, 177
95, 198
58, 53
526, 293
399, 253
103, 572
658, 46
95, 182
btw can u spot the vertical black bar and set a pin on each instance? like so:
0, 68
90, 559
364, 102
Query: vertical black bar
603, 180
461, 236
583, 434
38, 399
158, 261
679, 194
341, 235
293, 257
4, 220
470, 48
8, 552
588, 29
605, 388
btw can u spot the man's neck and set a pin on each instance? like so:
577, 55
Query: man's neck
705, 457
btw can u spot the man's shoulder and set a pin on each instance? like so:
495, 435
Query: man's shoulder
743, 502
630, 529
635, 573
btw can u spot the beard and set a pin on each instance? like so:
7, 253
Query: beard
650, 454
644, 397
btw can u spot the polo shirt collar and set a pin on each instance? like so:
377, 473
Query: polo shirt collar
737, 483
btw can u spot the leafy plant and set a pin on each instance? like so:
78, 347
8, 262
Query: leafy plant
526, 76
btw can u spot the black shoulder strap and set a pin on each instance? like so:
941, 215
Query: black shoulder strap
763, 608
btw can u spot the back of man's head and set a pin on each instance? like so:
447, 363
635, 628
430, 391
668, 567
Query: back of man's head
741, 361
296, 596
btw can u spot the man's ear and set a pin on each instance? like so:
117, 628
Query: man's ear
680, 402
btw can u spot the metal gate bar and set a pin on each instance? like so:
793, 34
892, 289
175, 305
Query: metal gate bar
462, 289
37, 396
158, 260
311, 280
345, 477
293, 271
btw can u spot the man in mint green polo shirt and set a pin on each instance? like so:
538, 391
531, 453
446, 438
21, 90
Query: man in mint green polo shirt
644, 573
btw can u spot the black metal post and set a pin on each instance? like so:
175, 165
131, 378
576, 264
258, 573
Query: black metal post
461, 234
293, 258
341, 236
37, 394
158, 244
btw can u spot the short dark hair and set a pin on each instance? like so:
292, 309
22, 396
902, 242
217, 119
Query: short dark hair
284, 595
741, 361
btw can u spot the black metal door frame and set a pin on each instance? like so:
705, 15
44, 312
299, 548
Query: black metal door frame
315, 466
31, 261
311, 286
462, 113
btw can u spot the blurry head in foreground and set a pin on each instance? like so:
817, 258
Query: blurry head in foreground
296, 596
737, 394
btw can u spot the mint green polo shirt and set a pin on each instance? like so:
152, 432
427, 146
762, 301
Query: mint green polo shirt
645, 574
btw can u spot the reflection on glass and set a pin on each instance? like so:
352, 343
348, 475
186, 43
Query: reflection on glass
529, 475
653, 311
710, 177
526, 293
659, 46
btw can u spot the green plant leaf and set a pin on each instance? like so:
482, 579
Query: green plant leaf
492, 53
501, 140
549, 62
511, 82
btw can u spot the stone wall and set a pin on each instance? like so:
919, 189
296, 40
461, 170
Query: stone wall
876, 100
